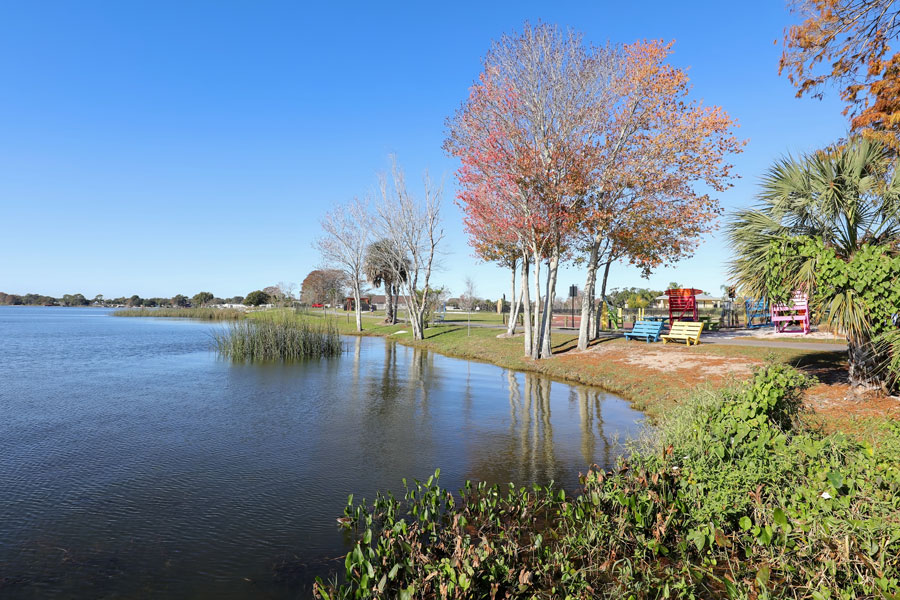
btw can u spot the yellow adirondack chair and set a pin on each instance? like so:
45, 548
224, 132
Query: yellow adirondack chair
686, 331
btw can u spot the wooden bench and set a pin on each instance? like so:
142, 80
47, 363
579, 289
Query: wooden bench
648, 330
686, 331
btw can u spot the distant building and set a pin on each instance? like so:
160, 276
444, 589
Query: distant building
379, 302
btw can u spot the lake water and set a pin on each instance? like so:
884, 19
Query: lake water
136, 464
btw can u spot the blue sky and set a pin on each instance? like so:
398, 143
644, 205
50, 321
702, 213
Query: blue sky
171, 147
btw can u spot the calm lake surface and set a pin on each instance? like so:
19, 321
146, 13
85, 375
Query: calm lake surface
136, 464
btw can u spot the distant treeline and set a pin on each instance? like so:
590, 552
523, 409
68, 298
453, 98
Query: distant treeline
254, 298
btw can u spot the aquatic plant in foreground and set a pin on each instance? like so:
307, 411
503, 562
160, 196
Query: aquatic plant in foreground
277, 338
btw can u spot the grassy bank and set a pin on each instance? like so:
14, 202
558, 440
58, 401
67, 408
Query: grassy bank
734, 498
653, 393
205, 314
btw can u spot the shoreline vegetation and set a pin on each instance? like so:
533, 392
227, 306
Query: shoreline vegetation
206, 314
277, 338
732, 496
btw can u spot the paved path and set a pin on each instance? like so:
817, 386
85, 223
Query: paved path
739, 341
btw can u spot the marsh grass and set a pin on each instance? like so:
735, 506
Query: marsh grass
279, 338
205, 314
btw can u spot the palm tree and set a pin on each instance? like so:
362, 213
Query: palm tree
384, 265
846, 197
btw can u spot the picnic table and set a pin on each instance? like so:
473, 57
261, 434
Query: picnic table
710, 326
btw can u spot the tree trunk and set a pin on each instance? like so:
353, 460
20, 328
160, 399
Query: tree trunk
865, 365
357, 297
595, 322
416, 321
517, 308
416, 309
587, 296
602, 295
547, 318
513, 304
389, 303
536, 327
526, 304
395, 306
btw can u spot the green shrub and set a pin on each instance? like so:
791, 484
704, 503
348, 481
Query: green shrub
734, 498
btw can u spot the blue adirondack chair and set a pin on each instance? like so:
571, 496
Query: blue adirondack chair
648, 330
759, 310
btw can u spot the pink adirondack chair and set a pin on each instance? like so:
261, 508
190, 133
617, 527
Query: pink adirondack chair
797, 311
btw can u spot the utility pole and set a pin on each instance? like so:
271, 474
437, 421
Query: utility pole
573, 292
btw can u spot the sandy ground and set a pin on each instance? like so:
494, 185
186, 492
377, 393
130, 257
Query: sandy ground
768, 333
673, 359
839, 405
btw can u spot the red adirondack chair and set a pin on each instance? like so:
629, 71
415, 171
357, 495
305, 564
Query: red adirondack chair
683, 304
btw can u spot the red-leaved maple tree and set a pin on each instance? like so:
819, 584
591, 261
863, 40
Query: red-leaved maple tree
522, 137
565, 146
659, 154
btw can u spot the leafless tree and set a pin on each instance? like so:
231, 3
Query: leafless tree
413, 228
346, 237
286, 291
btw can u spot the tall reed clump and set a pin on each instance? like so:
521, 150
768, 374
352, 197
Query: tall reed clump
278, 338
205, 314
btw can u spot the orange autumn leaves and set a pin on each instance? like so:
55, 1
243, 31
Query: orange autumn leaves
848, 43
634, 166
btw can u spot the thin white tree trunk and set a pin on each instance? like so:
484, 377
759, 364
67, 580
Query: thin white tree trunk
587, 297
514, 312
536, 332
526, 304
357, 298
514, 303
547, 317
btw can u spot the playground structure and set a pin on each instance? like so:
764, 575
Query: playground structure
759, 310
797, 311
683, 304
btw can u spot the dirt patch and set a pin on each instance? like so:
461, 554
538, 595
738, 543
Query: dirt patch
839, 405
675, 360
